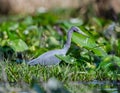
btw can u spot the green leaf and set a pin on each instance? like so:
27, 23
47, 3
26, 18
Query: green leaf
98, 21
99, 51
88, 43
109, 61
18, 45
83, 41
67, 59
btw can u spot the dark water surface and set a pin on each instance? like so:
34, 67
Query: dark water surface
94, 86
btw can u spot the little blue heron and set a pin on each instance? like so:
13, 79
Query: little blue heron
49, 57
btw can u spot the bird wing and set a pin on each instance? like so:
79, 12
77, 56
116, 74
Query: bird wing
48, 58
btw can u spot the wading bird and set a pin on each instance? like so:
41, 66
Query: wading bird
49, 58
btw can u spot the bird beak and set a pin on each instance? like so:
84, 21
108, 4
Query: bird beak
81, 32
76, 29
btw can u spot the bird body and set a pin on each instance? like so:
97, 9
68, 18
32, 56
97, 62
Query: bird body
49, 58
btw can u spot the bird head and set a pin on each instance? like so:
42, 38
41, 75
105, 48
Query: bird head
76, 29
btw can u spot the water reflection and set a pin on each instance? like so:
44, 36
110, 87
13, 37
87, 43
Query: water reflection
96, 86
55, 86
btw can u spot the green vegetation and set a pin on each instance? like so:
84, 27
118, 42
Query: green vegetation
92, 57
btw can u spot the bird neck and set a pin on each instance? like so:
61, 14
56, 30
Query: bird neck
68, 42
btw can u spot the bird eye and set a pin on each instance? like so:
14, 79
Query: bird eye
74, 28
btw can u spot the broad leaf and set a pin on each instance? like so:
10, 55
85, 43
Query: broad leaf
83, 41
99, 51
68, 59
88, 43
18, 45
110, 61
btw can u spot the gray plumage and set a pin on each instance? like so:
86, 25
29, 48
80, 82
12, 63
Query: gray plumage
49, 57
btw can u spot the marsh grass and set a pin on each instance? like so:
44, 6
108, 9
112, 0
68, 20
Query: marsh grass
63, 72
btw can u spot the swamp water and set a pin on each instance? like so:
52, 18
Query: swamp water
96, 87
54, 86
